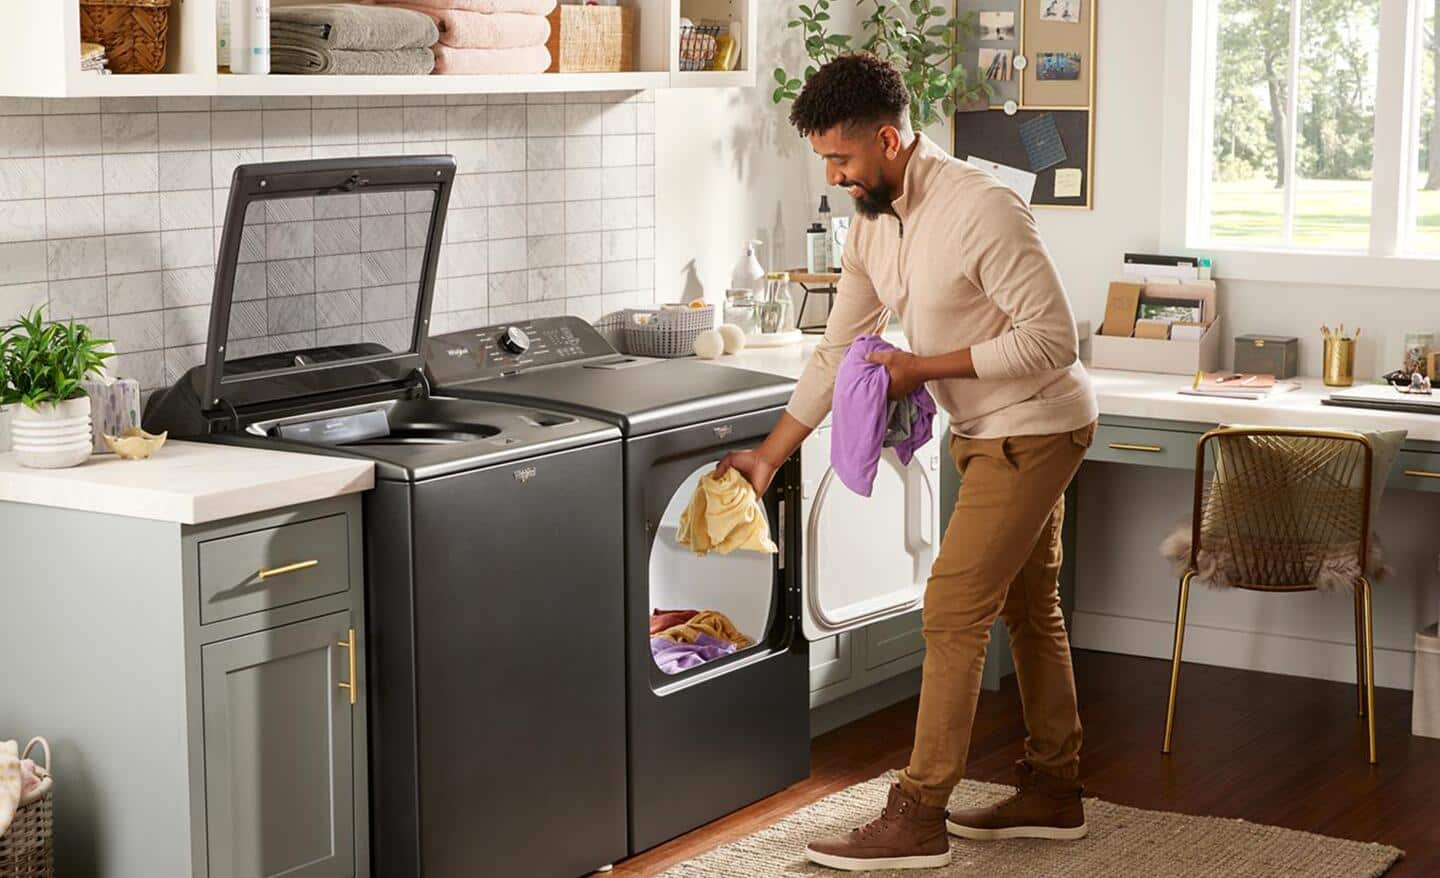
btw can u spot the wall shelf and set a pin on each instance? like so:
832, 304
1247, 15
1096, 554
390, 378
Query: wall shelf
40, 48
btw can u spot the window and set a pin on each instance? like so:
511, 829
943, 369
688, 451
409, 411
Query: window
1292, 123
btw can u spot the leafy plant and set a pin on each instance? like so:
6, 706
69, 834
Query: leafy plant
920, 43
42, 362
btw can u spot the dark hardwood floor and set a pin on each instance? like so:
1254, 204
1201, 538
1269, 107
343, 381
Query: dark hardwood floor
1270, 749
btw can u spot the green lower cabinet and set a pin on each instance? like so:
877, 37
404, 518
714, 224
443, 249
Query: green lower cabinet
279, 748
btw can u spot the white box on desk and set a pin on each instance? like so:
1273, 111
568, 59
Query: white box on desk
1156, 355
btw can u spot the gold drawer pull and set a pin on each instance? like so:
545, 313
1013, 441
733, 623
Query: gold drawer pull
1125, 446
349, 644
1422, 474
288, 568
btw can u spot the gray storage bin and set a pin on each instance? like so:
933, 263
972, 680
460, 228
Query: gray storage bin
1276, 355
1425, 715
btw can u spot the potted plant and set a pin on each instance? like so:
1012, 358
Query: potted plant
41, 367
920, 39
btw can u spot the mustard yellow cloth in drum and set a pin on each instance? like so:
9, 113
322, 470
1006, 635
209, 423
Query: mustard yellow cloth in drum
712, 623
725, 515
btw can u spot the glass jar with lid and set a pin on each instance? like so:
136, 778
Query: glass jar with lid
740, 310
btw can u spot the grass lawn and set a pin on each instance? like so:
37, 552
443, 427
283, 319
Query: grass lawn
1328, 213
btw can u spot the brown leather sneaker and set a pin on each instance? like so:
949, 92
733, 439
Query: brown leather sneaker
1044, 807
906, 835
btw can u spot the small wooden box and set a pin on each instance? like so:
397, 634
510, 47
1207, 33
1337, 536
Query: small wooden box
592, 39
1276, 355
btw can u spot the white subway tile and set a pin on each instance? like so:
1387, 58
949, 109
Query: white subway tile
545, 153
130, 132
508, 255
186, 326
84, 297
75, 217
24, 137
285, 128
185, 170
126, 254
545, 251
75, 257
240, 130
506, 120
184, 131
131, 173
341, 126
584, 184
584, 152
23, 298
186, 248
21, 221
183, 287
72, 135
471, 156
584, 216
583, 248
22, 178
144, 331
582, 280
424, 122
619, 149
74, 176
130, 293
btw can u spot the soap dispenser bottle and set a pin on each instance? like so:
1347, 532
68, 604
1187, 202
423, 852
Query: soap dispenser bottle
748, 274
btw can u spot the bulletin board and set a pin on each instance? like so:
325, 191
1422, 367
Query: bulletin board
1052, 74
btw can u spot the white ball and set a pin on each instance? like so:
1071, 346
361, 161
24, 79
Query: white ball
734, 338
709, 345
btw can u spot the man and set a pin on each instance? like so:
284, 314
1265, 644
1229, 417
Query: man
957, 258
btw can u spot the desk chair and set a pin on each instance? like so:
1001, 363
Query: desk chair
1285, 510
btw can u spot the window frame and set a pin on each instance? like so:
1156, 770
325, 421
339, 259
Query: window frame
1191, 32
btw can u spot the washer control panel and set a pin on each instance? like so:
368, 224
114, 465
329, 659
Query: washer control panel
496, 351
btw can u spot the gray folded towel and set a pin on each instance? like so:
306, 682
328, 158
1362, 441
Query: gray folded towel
343, 62
349, 26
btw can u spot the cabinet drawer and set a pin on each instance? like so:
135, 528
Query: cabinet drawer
1416, 471
1145, 447
894, 639
264, 569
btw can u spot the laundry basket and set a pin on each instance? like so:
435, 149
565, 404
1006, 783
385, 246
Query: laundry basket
669, 332
133, 32
27, 849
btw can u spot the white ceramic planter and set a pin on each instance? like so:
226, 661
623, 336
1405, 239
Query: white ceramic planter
52, 436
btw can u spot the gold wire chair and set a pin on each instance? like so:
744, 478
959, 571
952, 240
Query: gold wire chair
1285, 510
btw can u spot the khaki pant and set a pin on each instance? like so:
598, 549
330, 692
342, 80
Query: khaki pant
1000, 557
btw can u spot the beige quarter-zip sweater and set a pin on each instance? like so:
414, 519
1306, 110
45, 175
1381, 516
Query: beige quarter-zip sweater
961, 264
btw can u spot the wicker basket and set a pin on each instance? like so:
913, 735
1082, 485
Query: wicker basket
27, 849
668, 333
592, 39
698, 45
132, 32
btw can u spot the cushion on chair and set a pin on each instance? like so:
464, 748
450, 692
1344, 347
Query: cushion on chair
1332, 565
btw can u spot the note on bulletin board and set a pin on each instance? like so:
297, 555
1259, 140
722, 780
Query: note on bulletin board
1068, 182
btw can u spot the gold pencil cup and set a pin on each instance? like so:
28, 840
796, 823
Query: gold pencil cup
1339, 362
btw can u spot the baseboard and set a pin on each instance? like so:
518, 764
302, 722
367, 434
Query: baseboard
843, 711
1248, 650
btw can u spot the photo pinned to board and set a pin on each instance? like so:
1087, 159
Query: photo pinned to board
1067, 11
1057, 66
997, 26
1043, 146
1023, 182
998, 64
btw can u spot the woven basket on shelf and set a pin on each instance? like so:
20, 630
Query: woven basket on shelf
132, 32
669, 333
592, 39
27, 849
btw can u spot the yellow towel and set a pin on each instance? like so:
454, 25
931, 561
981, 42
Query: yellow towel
711, 622
725, 515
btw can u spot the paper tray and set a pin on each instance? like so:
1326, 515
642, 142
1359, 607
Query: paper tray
1157, 355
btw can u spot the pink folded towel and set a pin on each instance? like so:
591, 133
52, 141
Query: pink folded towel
462, 29
528, 7
531, 59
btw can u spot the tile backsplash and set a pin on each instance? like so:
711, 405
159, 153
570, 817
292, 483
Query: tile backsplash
110, 209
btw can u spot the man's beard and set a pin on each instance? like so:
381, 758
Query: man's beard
875, 201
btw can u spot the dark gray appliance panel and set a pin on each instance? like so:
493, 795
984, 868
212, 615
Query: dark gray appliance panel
728, 734
533, 660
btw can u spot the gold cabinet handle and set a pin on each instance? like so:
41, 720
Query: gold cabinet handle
288, 568
1125, 446
349, 644
1422, 474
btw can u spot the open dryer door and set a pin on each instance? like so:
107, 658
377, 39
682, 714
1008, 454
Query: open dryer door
867, 559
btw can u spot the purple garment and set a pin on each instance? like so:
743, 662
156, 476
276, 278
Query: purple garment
672, 657
861, 414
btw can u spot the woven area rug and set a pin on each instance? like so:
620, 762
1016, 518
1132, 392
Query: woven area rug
1122, 842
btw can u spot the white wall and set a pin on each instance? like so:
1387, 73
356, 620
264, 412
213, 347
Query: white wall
768, 179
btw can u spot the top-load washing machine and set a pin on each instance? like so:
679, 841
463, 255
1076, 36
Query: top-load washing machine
494, 677
707, 739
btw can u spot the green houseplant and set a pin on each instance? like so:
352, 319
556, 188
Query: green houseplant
919, 38
41, 369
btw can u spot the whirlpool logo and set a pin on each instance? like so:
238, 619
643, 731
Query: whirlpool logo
456, 353
724, 431
524, 475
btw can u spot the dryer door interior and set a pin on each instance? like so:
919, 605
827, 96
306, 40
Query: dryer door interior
867, 559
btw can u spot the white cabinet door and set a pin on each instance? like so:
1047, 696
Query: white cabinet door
867, 559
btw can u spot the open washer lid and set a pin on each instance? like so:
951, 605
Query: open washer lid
324, 278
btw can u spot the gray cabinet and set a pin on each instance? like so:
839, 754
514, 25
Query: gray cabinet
190, 688
279, 746
857, 660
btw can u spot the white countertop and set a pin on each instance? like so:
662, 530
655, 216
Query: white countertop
188, 482
1152, 395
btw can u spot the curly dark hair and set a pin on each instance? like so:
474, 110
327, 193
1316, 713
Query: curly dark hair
851, 89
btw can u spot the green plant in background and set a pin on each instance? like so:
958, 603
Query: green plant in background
920, 39
42, 363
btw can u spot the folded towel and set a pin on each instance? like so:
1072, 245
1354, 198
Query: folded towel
528, 7
351, 26
531, 59
342, 62
10, 783
462, 29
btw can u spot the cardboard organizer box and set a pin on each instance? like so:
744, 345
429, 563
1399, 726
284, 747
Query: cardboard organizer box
1127, 341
